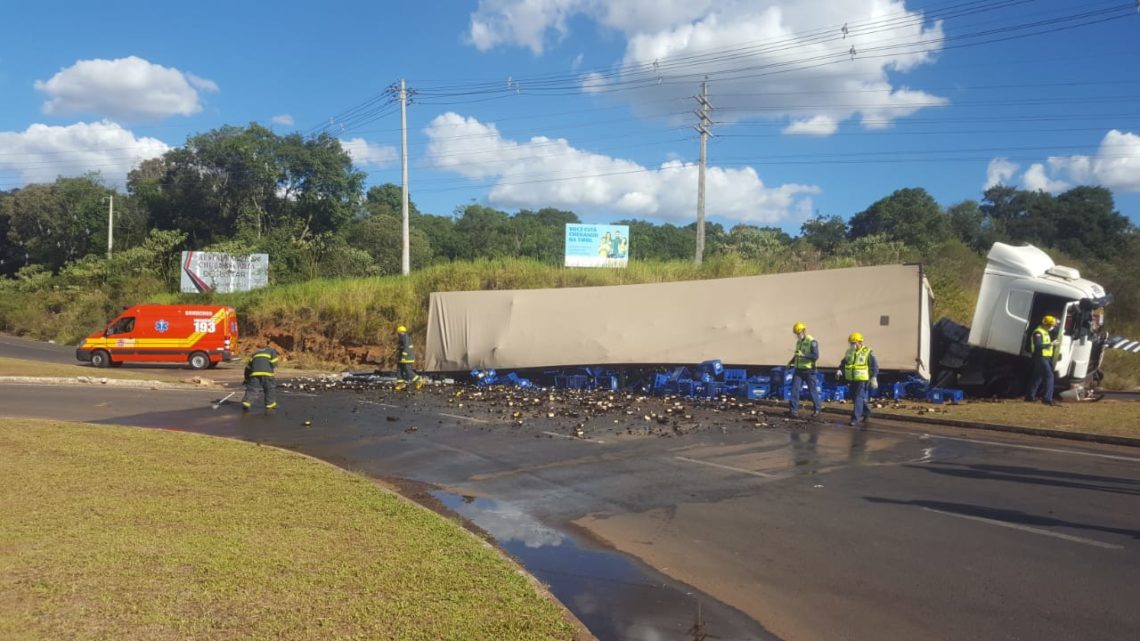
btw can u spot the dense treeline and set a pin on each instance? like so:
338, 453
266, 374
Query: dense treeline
247, 190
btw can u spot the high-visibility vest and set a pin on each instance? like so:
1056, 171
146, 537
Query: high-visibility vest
1046, 341
803, 348
857, 364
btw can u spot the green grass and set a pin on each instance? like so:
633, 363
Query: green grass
124, 533
1107, 417
332, 323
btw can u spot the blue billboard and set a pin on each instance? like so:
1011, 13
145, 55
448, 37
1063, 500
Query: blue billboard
597, 245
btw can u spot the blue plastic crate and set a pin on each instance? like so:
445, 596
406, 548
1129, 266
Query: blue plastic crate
609, 382
943, 395
735, 375
714, 367
755, 390
577, 381
686, 387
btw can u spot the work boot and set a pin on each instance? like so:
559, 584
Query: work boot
815, 414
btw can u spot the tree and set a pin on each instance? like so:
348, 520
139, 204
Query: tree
970, 225
910, 216
1083, 221
250, 181
540, 235
660, 242
825, 234
58, 222
757, 243
484, 232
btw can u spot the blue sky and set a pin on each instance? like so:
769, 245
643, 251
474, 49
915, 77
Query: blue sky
587, 105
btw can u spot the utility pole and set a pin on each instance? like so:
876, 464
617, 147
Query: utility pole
406, 260
110, 223
703, 129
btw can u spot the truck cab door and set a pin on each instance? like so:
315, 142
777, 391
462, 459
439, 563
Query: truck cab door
1074, 348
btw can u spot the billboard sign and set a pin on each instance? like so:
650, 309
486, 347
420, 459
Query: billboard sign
597, 245
218, 272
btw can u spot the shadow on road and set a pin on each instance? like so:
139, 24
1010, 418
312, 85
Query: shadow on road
999, 514
1034, 476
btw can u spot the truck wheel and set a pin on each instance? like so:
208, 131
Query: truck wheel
199, 360
100, 358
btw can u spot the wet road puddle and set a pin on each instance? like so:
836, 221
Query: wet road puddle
615, 596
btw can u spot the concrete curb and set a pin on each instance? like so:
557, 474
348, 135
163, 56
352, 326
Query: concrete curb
109, 382
993, 427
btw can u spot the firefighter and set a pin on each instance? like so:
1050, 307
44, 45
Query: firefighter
803, 360
259, 380
407, 358
861, 370
1041, 344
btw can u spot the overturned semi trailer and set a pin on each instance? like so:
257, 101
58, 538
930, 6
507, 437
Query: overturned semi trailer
745, 321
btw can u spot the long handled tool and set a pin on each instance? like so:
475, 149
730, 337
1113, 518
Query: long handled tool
223, 400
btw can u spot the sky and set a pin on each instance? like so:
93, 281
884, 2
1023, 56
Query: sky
817, 108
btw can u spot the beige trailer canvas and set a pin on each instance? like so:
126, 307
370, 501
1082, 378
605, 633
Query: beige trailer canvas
741, 321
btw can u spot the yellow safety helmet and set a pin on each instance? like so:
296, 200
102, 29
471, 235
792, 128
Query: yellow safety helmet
855, 337
1049, 320
798, 327
402, 330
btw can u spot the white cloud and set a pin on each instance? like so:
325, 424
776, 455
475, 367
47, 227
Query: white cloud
814, 126
284, 120
745, 48
365, 153
41, 153
550, 172
528, 23
1116, 164
126, 88
1035, 179
1000, 171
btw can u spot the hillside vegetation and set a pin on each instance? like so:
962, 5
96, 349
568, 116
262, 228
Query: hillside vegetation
335, 248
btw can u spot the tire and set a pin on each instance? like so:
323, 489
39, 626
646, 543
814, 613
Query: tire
198, 360
100, 358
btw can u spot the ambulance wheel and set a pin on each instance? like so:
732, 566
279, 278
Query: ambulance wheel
100, 358
199, 360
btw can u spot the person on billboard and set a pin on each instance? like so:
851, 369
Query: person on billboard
604, 246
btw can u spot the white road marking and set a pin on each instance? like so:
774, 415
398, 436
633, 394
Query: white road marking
726, 467
1033, 530
463, 418
1054, 450
588, 440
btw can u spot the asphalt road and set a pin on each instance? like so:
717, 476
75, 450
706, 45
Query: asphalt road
814, 530
13, 347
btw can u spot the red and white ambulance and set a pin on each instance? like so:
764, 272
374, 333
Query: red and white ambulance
199, 336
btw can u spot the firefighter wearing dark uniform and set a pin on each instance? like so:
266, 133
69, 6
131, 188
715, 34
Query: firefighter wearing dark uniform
1042, 346
807, 353
259, 380
861, 370
407, 358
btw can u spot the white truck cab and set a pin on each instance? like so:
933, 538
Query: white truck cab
1020, 286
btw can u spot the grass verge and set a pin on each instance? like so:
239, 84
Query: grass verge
1107, 417
22, 367
123, 533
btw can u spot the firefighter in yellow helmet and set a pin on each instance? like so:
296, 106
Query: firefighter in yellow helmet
861, 371
405, 373
259, 383
803, 362
1042, 345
